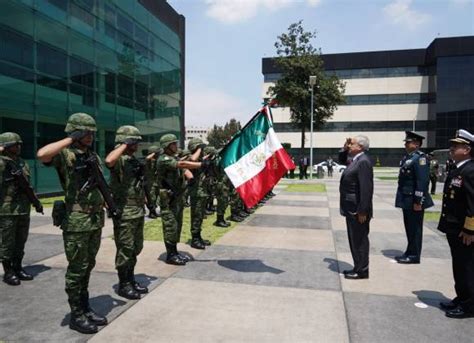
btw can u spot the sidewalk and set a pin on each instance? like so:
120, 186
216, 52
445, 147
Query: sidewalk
275, 278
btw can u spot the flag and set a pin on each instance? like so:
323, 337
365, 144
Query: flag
254, 160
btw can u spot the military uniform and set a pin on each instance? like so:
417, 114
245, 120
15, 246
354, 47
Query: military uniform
129, 196
14, 215
413, 181
151, 177
457, 216
82, 225
434, 168
222, 195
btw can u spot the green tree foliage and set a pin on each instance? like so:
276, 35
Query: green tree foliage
220, 135
298, 59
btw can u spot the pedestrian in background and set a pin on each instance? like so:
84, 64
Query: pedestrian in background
434, 172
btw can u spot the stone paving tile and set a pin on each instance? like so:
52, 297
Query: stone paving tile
279, 238
41, 309
378, 318
294, 211
107, 230
297, 222
298, 203
39, 247
266, 267
40, 221
383, 243
225, 312
307, 197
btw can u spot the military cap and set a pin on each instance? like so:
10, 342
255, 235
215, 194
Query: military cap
411, 136
80, 121
8, 139
463, 137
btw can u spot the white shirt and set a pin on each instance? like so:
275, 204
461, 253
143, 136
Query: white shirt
461, 163
357, 156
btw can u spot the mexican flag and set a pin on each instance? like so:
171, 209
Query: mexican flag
254, 160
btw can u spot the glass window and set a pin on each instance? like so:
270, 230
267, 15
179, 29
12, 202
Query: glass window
51, 61
83, 15
124, 24
16, 48
81, 72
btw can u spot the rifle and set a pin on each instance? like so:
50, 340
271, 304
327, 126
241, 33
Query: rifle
142, 182
25, 186
97, 180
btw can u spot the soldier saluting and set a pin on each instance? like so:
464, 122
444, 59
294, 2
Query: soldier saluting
412, 195
457, 221
83, 216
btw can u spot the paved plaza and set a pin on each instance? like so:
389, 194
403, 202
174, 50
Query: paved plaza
275, 278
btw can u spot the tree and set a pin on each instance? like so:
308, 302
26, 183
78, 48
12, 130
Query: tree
220, 135
297, 60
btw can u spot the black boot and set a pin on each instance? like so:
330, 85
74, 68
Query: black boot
139, 288
126, 289
10, 278
236, 218
220, 222
90, 314
82, 324
172, 256
204, 241
243, 214
21, 273
197, 243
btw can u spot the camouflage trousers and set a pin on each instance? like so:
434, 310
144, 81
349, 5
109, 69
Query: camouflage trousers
171, 217
222, 195
81, 249
236, 204
198, 208
128, 236
13, 235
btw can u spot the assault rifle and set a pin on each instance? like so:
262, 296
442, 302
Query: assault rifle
142, 182
23, 183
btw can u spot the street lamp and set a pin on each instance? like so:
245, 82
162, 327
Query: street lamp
312, 83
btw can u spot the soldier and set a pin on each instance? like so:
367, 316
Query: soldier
434, 170
235, 206
171, 179
198, 195
84, 216
222, 195
127, 186
150, 170
457, 222
412, 196
14, 210
210, 180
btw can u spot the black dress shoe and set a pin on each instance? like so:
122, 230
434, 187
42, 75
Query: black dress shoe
82, 324
175, 259
356, 276
449, 305
347, 271
10, 278
139, 288
127, 291
95, 318
197, 244
23, 275
408, 260
459, 313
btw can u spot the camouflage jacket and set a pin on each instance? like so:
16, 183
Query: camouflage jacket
12, 200
170, 177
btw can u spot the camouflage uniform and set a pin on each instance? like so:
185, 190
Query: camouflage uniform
14, 215
84, 218
129, 196
151, 175
210, 180
223, 195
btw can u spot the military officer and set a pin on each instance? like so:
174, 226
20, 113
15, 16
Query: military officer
222, 195
198, 195
434, 170
126, 183
154, 152
413, 196
84, 216
171, 180
14, 210
457, 221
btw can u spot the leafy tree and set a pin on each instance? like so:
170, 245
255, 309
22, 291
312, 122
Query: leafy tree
297, 60
220, 135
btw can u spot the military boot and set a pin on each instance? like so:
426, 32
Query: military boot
80, 323
10, 278
90, 314
197, 243
126, 288
220, 222
236, 218
204, 241
20, 272
139, 288
243, 214
172, 256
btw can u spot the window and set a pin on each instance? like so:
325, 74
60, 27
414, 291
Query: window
124, 24
51, 61
16, 48
81, 14
16, 73
81, 72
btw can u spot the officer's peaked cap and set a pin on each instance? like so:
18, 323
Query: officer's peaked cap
413, 136
463, 137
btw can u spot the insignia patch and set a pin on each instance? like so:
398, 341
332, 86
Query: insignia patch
422, 161
408, 162
456, 182
166, 158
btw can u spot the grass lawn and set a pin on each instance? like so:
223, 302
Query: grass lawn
48, 202
299, 187
387, 178
154, 230
438, 196
432, 216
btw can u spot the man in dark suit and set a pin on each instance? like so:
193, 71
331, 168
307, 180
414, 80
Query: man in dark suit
457, 221
356, 190
413, 196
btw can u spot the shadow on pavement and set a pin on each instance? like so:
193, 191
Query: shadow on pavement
336, 265
391, 253
249, 266
162, 257
36, 269
431, 298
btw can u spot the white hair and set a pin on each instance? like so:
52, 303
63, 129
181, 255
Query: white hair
363, 141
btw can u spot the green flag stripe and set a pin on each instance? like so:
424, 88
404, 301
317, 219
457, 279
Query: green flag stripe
246, 140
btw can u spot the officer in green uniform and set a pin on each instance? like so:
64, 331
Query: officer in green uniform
413, 196
84, 216
151, 160
126, 183
171, 179
235, 206
14, 210
222, 193
198, 195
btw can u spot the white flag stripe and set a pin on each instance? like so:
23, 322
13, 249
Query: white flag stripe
254, 161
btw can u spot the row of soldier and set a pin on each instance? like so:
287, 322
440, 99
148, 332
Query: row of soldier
166, 178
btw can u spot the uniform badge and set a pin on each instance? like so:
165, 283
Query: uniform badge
408, 162
422, 161
456, 182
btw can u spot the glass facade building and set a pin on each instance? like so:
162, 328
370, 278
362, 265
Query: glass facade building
121, 61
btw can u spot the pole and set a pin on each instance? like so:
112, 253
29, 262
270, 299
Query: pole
414, 119
311, 137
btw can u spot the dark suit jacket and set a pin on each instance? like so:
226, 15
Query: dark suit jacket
356, 187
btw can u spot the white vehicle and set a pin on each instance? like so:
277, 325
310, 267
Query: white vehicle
336, 167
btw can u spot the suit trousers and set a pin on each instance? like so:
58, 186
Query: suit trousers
463, 271
413, 221
359, 242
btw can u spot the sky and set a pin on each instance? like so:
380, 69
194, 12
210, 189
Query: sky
227, 39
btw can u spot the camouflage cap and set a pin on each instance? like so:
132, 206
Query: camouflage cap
167, 139
127, 132
184, 153
154, 149
80, 121
210, 150
194, 143
8, 139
